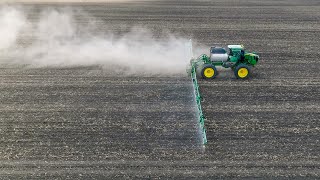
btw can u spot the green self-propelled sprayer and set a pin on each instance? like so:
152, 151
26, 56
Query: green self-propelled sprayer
204, 67
235, 57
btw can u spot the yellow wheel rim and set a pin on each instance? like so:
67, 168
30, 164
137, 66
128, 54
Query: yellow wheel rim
209, 72
243, 72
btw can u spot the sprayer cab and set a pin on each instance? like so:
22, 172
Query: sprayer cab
234, 57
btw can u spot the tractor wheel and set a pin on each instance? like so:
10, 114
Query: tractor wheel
207, 71
242, 71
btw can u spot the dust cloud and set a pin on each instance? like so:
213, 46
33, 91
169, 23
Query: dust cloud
12, 20
57, 40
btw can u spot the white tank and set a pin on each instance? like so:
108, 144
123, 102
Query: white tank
218, 54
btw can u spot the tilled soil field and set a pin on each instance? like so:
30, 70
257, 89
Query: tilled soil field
83, 123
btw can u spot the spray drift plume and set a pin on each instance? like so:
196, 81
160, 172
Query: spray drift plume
59, 41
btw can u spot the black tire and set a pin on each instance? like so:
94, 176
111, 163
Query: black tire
242, 71
207, 71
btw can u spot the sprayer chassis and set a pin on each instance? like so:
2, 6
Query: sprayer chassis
238, 60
